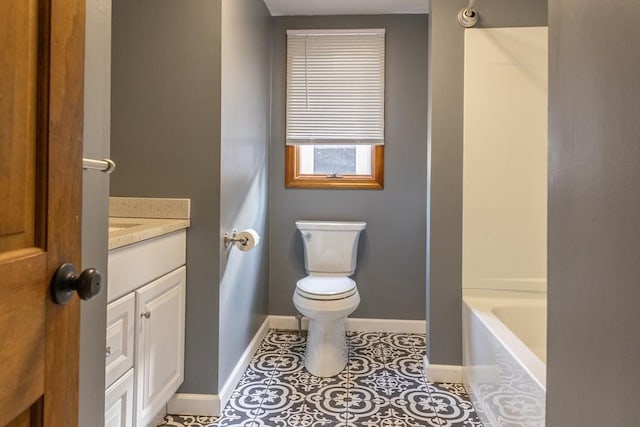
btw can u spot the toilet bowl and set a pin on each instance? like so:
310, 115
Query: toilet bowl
327, 295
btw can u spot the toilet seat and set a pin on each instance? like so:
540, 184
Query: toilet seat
326, 287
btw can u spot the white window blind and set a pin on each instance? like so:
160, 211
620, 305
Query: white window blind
335, 86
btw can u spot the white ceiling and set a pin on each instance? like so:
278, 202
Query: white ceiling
345, 7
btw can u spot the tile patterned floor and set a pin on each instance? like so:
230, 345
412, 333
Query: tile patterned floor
383, 385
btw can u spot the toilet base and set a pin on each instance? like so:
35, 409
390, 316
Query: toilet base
327, 351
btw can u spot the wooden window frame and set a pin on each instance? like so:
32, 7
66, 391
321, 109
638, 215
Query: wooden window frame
294, 179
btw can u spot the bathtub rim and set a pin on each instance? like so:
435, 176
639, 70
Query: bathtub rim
481, 302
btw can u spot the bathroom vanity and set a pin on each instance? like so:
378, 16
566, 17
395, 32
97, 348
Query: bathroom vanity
145, 312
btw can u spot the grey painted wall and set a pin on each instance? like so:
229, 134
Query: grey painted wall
594, 237
166, 142
95, 193
390, 271
444, 257
246, 80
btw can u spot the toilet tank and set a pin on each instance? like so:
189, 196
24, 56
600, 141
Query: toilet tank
330, 247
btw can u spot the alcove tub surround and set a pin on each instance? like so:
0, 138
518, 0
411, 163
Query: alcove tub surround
445, 141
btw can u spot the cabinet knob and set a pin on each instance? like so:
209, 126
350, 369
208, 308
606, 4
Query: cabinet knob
146, 314
65, 282
107, 351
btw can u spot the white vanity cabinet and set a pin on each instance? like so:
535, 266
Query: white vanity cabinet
159, 343
145, 329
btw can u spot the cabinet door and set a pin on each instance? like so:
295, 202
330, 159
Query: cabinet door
119, 402
159, 343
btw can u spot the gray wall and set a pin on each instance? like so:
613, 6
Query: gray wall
390, 272
594, 237
444, 254
166, 142
246, 80
95, 193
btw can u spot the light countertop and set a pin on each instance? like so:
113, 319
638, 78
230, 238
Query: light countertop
133, 220
125, 231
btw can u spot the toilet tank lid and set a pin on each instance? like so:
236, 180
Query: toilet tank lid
326, 285
331, 225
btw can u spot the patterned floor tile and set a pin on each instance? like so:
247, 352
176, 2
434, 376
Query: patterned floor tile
375, 353
384, 382
297, 378
407, 367
313, 384
329, 399
403, 340
382, 385
247, 400
289, 362
452, 405
231, 418
361, 404
393, 416
361, 363
357, 338
265, 361
254, 376
293, 416
278, 397
391, 353
187, 421
279, 338
417, 403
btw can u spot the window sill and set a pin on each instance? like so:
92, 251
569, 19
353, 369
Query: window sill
346, 183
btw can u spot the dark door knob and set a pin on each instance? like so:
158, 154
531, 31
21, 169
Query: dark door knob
65, 281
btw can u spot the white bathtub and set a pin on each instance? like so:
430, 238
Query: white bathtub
504, 356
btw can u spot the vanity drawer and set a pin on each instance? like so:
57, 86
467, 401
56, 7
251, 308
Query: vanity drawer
135, 265
120, 333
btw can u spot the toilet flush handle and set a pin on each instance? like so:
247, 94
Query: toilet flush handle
307, 236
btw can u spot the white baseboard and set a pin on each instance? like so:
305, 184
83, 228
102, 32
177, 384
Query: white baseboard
357, 324
194, 404
387, 325
442, 373
231, 383
212, 404
287, 322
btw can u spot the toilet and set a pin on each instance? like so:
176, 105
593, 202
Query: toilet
327, 295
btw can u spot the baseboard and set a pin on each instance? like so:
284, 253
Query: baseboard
287, 322
357, 324
442, 373
231, 383
387, 325
212, 404
194, 404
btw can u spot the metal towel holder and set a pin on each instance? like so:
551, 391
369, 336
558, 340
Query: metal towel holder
107, 165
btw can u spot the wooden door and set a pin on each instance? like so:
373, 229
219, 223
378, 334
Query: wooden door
41, 107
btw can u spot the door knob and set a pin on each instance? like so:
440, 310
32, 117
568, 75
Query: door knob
65, 281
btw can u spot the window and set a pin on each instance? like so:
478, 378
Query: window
335, 108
